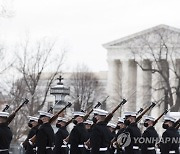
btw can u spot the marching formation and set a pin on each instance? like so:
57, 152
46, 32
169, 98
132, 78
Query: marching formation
96, 136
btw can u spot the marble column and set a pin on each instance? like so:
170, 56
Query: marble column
114, 87
178, 66
132, 86
177, 80
146, 83
165, 71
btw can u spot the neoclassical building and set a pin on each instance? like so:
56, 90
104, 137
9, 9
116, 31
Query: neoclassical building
157, 48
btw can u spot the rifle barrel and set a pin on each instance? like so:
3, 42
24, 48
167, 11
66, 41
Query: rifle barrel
96, 106
144, 112
57, 114
11, 117
110, 115
160, 117
6, 108
177, 124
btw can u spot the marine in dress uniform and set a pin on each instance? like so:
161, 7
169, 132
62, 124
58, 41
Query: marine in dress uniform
101, 136
88, 126
45, 134
168, 145
121, 127
5, 134
133, 131
112, 128
151, 135
78, 134
33, 124
60, 135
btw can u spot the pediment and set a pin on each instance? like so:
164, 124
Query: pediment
148, 32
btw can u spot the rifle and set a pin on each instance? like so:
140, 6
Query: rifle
110, 115
144, 112
166, 111
6, 108
96, 106
57, 114
11, 117
177, 124
33, 139
50, 109
140, 110
85, 117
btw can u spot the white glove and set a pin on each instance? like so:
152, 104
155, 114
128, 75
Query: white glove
65, 143
114, 144
30, 142
21, 145
87, 147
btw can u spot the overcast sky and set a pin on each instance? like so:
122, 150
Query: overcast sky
84, 25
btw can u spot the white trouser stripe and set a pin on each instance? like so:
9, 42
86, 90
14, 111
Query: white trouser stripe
103, 149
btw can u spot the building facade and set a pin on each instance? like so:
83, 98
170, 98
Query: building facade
133, 64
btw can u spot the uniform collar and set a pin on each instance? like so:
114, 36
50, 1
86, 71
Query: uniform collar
133, 124
3, 124
63, 128
101, 123
80, 124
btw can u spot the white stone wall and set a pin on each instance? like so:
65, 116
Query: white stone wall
132, 78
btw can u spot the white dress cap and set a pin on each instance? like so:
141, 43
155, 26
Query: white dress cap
4, 114
81, 114
111, 125
100, 112
47, 114
166, 117
120, 119
89, 122
146, 117
33, 118
129, 113
62, 119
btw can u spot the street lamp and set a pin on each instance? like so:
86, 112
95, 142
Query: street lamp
60, 91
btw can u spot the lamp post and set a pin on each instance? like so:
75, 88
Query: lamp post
59, 91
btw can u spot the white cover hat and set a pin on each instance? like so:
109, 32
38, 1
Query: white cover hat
146, 117
129, 113
120, 119
169, 118
100, 112
47, 114
89, 122
111, 125
33, 118
62, 119
81, 114
4, 114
